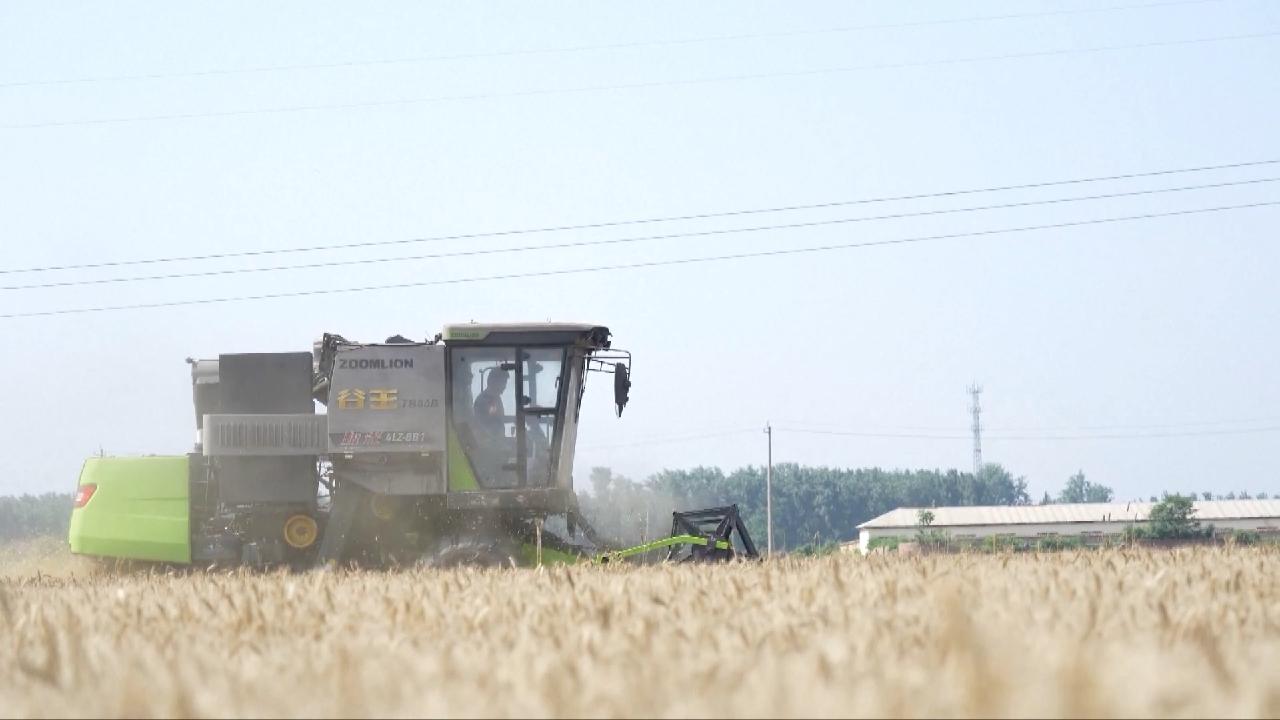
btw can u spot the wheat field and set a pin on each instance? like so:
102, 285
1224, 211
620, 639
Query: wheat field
1192, 632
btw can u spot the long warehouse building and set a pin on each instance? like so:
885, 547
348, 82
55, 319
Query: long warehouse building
1090, 522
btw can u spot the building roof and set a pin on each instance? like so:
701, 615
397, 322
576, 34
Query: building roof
1206, 510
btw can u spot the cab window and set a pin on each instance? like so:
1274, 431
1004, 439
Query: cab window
507, 413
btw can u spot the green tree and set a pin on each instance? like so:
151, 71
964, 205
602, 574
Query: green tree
925, 534
1174, 518
1080, 490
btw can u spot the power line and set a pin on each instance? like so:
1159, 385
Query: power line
807, 426
1127, 436
638, 221
1140, 426
639, 265
957, 435
860, 433
591, 48
667, 440
631, 86
627, 240
960, 436
953, 431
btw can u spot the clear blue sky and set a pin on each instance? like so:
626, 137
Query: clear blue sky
1166, 322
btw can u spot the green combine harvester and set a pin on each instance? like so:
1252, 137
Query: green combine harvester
457, 450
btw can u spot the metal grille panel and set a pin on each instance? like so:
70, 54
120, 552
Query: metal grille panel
265, 435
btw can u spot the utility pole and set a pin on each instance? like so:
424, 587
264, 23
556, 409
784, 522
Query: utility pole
768, 494
975, 390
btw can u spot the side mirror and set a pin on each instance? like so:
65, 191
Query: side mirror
621, 387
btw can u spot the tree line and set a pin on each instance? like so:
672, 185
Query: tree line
1080, 490
812, 506
25, 516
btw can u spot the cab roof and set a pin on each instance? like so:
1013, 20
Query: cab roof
597, 335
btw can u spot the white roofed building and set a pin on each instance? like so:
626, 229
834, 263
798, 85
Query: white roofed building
1090, 522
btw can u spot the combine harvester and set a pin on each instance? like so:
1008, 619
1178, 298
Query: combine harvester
454, 451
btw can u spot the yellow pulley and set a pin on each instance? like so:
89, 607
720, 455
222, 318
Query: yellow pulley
300, 531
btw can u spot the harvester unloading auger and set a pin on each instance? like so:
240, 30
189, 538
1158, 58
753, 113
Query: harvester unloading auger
456, 450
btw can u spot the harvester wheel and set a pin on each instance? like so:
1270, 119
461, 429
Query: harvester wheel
300, 531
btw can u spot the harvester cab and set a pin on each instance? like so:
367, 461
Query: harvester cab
455, 449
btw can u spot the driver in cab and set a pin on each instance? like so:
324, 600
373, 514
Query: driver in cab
490, 415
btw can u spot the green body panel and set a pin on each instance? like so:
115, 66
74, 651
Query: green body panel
461, 476
529, 556
140, 510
